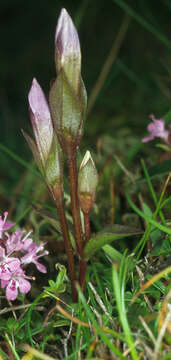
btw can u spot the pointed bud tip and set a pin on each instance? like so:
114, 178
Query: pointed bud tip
87, 157
66, 37
37, 100
34, 88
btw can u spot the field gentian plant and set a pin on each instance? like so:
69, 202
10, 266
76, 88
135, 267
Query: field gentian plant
58, 129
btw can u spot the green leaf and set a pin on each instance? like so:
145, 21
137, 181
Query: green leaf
106, 236
48, 216
59, 286
164, 147
167, 117
112, 253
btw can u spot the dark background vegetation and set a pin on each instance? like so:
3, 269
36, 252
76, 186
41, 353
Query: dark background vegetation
137, 84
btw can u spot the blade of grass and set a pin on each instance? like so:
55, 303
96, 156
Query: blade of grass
152, 191
166, 357
144, 23
147, 218
151, 281
96, 326
12, 347
87, 325
114, 254
18, 159
80, 13
131, 75
28, 319
108, 63
37, 353
119, 295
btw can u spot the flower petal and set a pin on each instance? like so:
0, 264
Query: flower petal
11, 290
24, 285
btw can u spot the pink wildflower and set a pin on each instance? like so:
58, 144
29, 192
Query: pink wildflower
15, 242
32, 257
16, 251
157, 129
18, 280
4, 225
8, 265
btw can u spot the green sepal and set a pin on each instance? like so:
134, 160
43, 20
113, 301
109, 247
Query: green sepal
54, 164
106, 236
35, 152
67, 107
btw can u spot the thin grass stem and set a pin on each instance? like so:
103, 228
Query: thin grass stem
160, 36
109, 61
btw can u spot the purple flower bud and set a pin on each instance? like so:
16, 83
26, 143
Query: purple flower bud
157, 129
46, 149
87, 183
41, 120
67, 49
68, 98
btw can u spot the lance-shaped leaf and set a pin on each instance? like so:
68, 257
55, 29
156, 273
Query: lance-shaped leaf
106, 236
87, 183
67, 50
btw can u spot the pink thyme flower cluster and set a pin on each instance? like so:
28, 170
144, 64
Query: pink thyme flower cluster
16, 251
156, 128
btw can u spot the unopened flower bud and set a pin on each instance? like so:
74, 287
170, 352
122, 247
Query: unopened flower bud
41, 120
68, 98
46, 149
67, 50
87, 183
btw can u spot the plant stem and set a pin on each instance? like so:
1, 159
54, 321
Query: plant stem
83, 263
75, 208
58, 191
87, 227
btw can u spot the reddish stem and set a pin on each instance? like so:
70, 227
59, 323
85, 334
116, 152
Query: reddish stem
87, 227
58, 192
75, 208
83, 263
